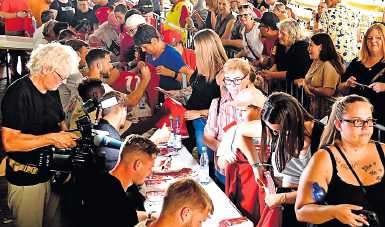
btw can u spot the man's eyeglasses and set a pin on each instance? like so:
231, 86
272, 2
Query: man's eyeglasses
243, 15
236, 81
360, 123
64, 79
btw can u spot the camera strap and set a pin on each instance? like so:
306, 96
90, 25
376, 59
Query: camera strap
354, 172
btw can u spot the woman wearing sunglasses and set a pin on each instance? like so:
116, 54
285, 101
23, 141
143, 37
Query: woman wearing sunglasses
350, 170
293, 136
252, 44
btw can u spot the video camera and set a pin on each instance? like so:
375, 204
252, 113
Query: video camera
83, 157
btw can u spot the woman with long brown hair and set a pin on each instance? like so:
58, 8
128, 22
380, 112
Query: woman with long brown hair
324, 75
292, 135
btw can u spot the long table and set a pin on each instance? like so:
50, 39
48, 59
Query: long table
223, 207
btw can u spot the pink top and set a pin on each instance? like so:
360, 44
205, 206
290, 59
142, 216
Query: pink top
216, 122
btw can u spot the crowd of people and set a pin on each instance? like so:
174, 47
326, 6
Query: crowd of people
289, 112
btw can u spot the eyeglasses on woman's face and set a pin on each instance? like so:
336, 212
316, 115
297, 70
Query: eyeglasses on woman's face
359, 123
233, 81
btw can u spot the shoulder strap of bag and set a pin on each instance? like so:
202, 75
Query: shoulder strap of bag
249, 47
380, 73
351, 169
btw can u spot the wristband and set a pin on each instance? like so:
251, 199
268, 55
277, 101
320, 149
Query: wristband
16, 15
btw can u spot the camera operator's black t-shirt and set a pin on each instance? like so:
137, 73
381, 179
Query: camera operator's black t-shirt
25, 109
106, 203
65, 11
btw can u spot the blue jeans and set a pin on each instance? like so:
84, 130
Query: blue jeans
199, 127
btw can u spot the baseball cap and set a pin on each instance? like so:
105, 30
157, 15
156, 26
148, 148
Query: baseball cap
171, 36
249, 96
135, 20
270, 20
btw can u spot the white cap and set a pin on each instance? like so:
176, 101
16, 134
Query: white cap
249, 96
135, 20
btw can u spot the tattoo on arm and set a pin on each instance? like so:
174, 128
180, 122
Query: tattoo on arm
367, 168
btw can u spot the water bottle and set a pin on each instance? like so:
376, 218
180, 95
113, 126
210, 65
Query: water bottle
171, 139
177, 135
204, 167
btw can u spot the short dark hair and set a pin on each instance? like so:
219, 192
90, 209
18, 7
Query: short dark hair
121, 8
131, 12
137, 143
89, 89
46, 15
60, 26
76, 44
96, 54
66, 34
144, 34
145, 6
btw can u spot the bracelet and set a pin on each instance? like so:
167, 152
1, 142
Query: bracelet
260, 164
176, 75
16, 15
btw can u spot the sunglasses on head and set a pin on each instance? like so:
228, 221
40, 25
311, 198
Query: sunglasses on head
244, 6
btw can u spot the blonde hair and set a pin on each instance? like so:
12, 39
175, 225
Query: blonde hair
212, 4
293, 29
210, 54
238, 64
280, 7
364, 52
330, 133
55, 56
186, 192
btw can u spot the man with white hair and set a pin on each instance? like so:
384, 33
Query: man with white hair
32, 120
